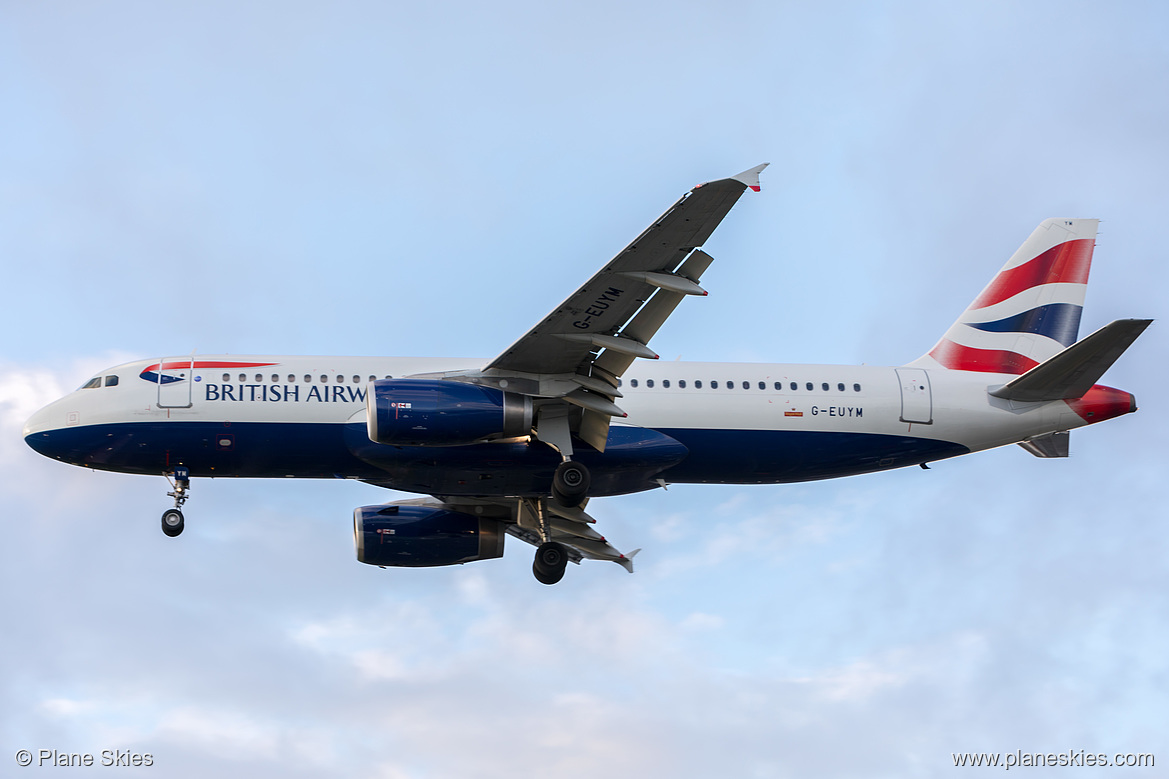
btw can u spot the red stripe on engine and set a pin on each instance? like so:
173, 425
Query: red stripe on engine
1067, 263
963, 358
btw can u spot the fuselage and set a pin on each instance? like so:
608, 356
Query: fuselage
305, 417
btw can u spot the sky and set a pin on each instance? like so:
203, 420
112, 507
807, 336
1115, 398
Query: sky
431, 179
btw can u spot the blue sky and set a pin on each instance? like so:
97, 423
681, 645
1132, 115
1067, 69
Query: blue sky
370, 179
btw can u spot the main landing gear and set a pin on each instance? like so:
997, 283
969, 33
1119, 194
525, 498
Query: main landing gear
551, 560
570, 483
172, 519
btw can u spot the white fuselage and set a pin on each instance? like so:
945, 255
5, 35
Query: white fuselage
720, 405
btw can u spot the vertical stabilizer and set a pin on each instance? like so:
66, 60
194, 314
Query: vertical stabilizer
1030, 311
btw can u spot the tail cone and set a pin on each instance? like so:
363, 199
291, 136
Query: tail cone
1101, 403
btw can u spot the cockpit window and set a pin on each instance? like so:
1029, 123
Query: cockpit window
111, 381
94, 382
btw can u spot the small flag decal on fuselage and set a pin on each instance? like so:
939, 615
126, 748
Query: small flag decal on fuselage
793, 413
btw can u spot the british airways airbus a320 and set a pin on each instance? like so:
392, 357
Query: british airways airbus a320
577, 408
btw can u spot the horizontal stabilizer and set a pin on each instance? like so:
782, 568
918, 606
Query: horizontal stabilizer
1072, 372
1050, 445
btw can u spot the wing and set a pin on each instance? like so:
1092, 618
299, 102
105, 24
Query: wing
594, 316
571, 361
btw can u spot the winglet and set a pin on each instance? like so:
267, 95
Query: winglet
750, 177
626, 560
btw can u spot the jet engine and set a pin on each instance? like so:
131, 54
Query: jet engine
419, 412
419, 536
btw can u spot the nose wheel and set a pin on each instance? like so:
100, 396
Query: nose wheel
172, 522
172, 519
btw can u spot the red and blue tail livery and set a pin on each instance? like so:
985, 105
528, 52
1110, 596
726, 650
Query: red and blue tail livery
579, 406
1030, 310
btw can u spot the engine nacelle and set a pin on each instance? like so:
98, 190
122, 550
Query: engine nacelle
421, 412
420, 536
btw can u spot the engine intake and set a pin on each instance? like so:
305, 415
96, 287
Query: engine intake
420, 412
421, 536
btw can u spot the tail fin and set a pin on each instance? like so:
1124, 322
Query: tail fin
1030, 311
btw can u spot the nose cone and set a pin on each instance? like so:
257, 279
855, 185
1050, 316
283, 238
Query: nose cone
40, 428
36, 423
1101, 403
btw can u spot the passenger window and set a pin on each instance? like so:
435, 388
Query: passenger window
618, 382
633, 382
340, 378
779, 386
666, 383
356, 379
730, 385
243, 377
292, 378
111, 381
275, 377
308, 377
259, 377
682, 383
762, 385
810, 386
714, 385
747, 385
324, 378
794, 386
94, 382
856, 388
824, 386
227, 377
373, 378
649, 383
698, 384
840, 387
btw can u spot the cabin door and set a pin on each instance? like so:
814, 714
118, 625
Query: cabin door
917, 404
176, 379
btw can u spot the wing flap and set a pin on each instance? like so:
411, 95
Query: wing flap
653, 315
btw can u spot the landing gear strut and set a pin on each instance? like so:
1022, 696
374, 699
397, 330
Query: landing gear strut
570, 483
551, 559
172, 519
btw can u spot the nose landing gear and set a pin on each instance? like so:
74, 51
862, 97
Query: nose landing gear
172, 519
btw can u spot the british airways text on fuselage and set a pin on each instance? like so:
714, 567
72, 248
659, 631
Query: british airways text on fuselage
284, 393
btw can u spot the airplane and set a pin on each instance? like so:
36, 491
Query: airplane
579, 408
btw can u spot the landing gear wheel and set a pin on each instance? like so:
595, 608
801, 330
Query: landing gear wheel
570, 483
172, 522
551, 559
